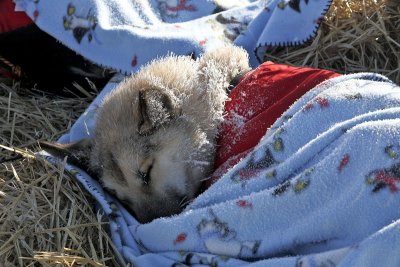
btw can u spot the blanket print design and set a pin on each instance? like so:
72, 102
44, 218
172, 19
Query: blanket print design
294, 4
228, 27
219, 239
171, 8
253, 166
80, 25
387, 177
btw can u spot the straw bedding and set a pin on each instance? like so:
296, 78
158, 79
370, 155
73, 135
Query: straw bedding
47, 219
45, 216
356, 36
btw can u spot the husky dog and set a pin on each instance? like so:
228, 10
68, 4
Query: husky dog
154, 139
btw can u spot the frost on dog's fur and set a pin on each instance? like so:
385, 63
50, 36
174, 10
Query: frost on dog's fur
154, 140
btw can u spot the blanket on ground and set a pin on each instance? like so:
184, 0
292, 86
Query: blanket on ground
125, 34
320, 189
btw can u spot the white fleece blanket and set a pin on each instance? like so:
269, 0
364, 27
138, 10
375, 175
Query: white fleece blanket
320, 189
125, 34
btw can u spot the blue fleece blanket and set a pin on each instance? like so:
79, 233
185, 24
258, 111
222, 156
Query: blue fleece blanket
125, 34
320, 189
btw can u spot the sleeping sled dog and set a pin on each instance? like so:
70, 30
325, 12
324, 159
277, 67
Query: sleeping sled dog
154, 139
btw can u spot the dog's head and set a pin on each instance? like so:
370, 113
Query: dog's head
145, 152
151, 155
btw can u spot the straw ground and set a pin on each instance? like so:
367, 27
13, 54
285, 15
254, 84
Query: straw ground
47, 218
355, 36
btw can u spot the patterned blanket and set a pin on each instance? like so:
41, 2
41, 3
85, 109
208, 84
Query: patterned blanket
125, 34
320, 189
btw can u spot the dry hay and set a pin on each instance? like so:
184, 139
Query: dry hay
46, 218
26, 116
356, 36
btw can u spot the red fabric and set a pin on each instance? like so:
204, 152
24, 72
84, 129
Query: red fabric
256, 103
9, 19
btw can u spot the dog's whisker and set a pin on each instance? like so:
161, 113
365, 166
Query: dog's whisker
205, 179
182, 201
197, 162
184, 204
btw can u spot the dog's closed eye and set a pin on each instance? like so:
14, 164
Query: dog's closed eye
145, 174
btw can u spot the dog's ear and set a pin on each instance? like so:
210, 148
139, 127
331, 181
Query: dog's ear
155, 109
77, 153
223, 63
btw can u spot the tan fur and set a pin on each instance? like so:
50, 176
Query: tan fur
162, 122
